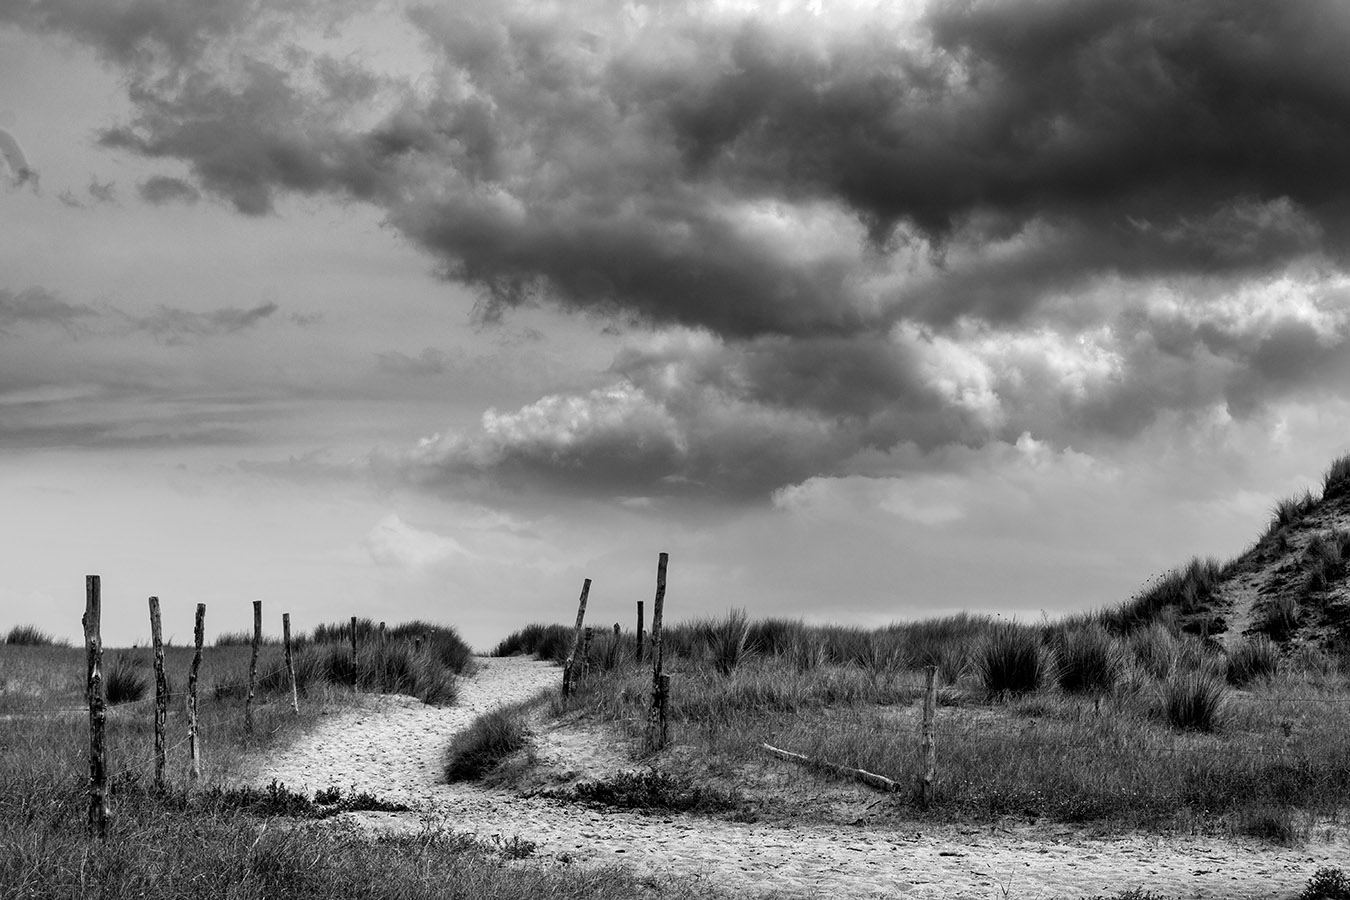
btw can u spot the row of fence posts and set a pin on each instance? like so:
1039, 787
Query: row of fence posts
657, 733
97, 693
658, 729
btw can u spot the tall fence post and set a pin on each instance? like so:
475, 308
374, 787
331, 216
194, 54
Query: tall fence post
929, 745
658, 733
290, 661
353, 652
576, 639
98, 707
639, 632
194, 751
161, 691
253, 666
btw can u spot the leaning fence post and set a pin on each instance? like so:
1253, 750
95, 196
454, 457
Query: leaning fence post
639, 632
194, 752
161, 691
929, 746
657, 731
290, 661
253, 666
576, 638
98, 707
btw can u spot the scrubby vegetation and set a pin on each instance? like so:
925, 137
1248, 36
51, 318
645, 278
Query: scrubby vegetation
548, 642
31, 636
124, 681
491, 738
415, 658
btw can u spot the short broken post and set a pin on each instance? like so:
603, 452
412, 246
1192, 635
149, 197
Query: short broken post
929, 747
586, 651
161, 691
98, 707
658, 732
639, 632
576, 639
290, 661
253, 666
194, 751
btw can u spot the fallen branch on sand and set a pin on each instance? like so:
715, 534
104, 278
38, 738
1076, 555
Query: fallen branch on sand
880, 782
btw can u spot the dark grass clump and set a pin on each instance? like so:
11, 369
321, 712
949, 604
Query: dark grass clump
1011, 661
1280, 618
1252, 660
551, 643
1324, 561
1336, 481
1156, 650
726, 639
234, 639
1291, 510
1327, 883
491, 738
1185, 590
1192, 701
652, 790
32, 636
125, 681
1089, 660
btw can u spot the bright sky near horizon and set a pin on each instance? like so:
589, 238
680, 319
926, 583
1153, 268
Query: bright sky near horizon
862, 311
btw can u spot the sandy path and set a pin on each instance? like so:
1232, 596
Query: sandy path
393, 749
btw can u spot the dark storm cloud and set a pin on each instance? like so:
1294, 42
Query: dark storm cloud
1000, 217
158, 190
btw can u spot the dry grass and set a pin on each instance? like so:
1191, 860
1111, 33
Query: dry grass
1123, 754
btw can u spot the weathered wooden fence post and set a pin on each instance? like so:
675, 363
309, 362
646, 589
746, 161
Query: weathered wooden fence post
290, 661
639, 632
194, 751
576, 639
253, 666
353, 652
161, 691
658, 732
929, 746
98, 707
617, 629
586, 651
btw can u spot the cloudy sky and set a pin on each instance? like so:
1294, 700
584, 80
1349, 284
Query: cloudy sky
862, 311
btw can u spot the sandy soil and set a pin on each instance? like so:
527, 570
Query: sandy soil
393, 749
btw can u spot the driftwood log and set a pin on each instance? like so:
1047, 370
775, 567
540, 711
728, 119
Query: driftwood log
871, 779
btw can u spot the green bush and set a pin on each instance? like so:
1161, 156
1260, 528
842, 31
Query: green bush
1251, 660
1089, 661
1192, 701
1011, 661
491, 738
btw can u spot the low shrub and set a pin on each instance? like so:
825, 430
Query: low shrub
491, 738
234, 639
1192, 701
124, 681
1251, 660
1292, 510
1327, 883
32, 636
652, 790
1088, 660
1011, 661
